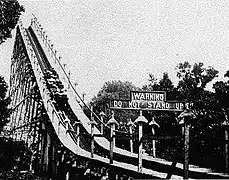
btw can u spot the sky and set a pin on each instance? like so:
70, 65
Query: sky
105, 40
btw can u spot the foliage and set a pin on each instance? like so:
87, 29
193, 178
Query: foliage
4, 102
10, 12
111, 90
222, 93
165, 84
13, 155
193, 79
192, 89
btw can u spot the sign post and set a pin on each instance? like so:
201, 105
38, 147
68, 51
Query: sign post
186, 116
112, 122
131, 125
153, 124
102, 114
186, 150
77, 124
225, 124
226, 149
140, 120
93, 123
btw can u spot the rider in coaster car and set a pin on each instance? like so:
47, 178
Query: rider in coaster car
61, 99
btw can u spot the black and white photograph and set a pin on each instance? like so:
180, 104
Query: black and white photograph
114, 89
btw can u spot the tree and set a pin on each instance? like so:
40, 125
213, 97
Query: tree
111, 90
165, 84
193, 79
192, 85
4, 102
10, 12
192, 88
153, 85
222, 94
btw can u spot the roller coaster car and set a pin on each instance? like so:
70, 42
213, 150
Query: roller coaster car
52, 86
50, 73
52, 78
61, 99
59, 84
54, 73
54, 90
47, 74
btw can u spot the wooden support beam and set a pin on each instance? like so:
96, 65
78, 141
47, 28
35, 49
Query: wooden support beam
111, 145
43, 148
92, 139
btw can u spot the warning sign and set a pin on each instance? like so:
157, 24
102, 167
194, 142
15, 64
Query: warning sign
147, 105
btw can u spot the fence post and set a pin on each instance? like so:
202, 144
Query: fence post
77, 124
93, 123
153, 124
186, 149
186, 116
112, 122
131, 125
226, 150
225, 124
140, 120
102, 114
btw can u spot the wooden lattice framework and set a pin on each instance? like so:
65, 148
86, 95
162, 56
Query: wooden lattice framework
28, 120
25, 98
